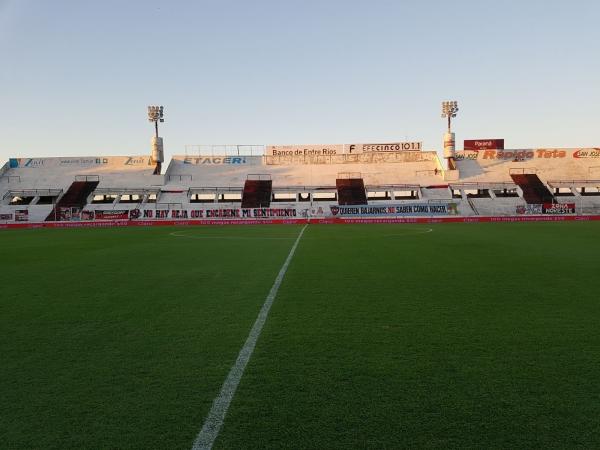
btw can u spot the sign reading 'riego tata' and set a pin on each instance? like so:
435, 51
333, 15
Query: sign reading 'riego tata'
528, 154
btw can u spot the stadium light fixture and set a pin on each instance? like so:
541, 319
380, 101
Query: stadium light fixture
449, 110
156, 114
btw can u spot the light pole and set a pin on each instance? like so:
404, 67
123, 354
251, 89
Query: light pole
156, 114
449, 110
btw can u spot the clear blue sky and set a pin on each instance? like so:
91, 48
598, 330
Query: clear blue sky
76, 76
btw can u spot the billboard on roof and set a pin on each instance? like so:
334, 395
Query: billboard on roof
484, 144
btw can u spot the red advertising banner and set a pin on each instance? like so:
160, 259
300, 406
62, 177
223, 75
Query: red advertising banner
330, 220
113, 214
484, 144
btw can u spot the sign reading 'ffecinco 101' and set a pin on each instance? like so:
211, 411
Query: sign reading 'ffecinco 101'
389, 147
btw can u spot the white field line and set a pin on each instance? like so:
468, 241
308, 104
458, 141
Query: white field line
218, 411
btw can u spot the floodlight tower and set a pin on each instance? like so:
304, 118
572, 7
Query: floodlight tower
449, 110
156, 114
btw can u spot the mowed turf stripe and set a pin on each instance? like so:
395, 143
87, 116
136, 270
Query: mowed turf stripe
218, 411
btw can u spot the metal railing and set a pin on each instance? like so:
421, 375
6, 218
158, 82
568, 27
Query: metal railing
121, 191
87, 177
472, 205
523, 170
33, 193
349, 175
11, 178
395, 187
258, 176
563, 183
214, 189
181, 177
166, 205
482, 185
226, 150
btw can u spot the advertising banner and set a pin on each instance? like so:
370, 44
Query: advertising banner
385, 147
224, 213
354, 158
6, 217
558, 208
220, 160
546, 208
322, 220
587, 153
21, 215
305, 150
513, 155
113, 214
339, 149
96, 162
557, 154
483, 144
529, 209
415, 209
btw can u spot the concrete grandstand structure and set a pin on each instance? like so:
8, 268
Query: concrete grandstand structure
346, 182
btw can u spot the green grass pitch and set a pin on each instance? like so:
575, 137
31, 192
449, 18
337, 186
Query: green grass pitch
381, 336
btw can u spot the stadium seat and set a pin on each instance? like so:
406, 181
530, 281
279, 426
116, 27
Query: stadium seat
534, 191
351, 191
76, 196
257, 193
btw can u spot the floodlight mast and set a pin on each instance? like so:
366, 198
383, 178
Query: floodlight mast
449, 110
156, 114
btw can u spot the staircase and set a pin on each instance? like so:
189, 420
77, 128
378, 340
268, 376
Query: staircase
472, 205
534, 191
351, 191
257, 193
75, 197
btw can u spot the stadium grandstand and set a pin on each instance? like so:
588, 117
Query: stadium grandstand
316, 182
389, 182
